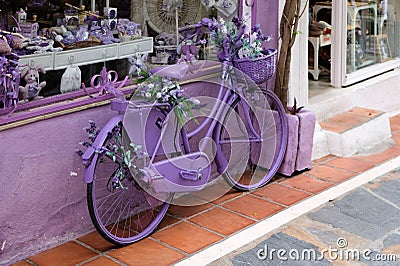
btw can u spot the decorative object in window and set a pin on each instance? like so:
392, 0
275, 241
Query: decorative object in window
162, 20
71, 79
226, 7
33, 86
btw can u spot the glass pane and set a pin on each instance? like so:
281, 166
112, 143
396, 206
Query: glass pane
389, 22
371, 38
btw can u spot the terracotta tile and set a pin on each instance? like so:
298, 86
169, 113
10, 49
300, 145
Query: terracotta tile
282, 194
217, 193
96, 241
308, 183
187, 211
351, 164
366, 112
221, 221
167, 221
101, 261
69, 253
382, 156
396, 138
253, 207
324, 159
22, 263
395, 123
335, 126
342, 122
331, 173
189, 199
146, 252
187, 237
228, 196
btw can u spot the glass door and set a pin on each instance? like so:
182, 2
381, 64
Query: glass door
364, 39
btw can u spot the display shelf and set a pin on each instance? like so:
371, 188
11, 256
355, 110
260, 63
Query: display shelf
45, 59
127, 48
88, 55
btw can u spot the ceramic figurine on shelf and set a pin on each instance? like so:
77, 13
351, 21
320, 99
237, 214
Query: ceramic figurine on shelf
33, 87
137, 64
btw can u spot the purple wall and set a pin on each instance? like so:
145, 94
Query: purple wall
41, 203
266, 14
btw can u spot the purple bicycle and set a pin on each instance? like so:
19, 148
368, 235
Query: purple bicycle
148, 152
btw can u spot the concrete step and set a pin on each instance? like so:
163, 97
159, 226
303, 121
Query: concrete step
357, 131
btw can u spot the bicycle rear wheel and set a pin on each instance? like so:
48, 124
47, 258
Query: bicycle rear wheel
120, 209
258, 148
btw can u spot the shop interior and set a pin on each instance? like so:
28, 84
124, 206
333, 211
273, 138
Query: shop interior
70, 25
367, 39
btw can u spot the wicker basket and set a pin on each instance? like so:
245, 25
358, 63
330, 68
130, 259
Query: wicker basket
92, 41
259, 69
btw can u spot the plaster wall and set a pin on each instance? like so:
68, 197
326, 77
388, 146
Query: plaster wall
42, 194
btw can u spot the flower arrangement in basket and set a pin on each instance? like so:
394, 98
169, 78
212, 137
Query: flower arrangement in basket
159, 89
244, 47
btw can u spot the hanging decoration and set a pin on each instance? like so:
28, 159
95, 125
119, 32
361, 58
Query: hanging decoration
174, 7
162, 16
226, 7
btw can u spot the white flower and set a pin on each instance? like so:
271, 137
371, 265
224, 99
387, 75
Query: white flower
253, 37
150, 86
147, 95
158, 95
195, 101
224, 30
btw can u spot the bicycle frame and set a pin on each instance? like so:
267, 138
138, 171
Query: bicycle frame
192, 166
146, 154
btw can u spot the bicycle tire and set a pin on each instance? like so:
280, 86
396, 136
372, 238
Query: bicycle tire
258, 172
126, 214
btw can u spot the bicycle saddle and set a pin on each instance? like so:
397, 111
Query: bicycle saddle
176, 71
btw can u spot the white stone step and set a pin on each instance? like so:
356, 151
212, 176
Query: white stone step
356, 131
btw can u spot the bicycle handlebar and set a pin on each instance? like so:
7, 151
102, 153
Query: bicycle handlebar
190, 27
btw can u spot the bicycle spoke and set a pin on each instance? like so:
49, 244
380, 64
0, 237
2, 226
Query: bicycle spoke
120, 212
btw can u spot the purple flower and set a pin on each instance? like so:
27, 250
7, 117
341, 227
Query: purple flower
237, 21
256, 28
211, 24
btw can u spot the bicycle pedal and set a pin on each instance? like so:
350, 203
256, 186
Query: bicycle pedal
193, 175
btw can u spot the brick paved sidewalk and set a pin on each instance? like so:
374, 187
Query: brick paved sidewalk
186, 230
362, 227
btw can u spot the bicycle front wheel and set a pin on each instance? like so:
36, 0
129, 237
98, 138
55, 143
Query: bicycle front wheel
257, 147
120, 209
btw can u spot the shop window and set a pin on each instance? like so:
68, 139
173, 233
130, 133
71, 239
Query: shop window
57, 36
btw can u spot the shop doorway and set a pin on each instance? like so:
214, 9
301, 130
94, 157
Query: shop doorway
360, 43
319, 47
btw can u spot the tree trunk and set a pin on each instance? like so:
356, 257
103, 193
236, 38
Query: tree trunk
287, 31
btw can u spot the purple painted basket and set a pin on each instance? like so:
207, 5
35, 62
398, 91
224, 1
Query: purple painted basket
259, 69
